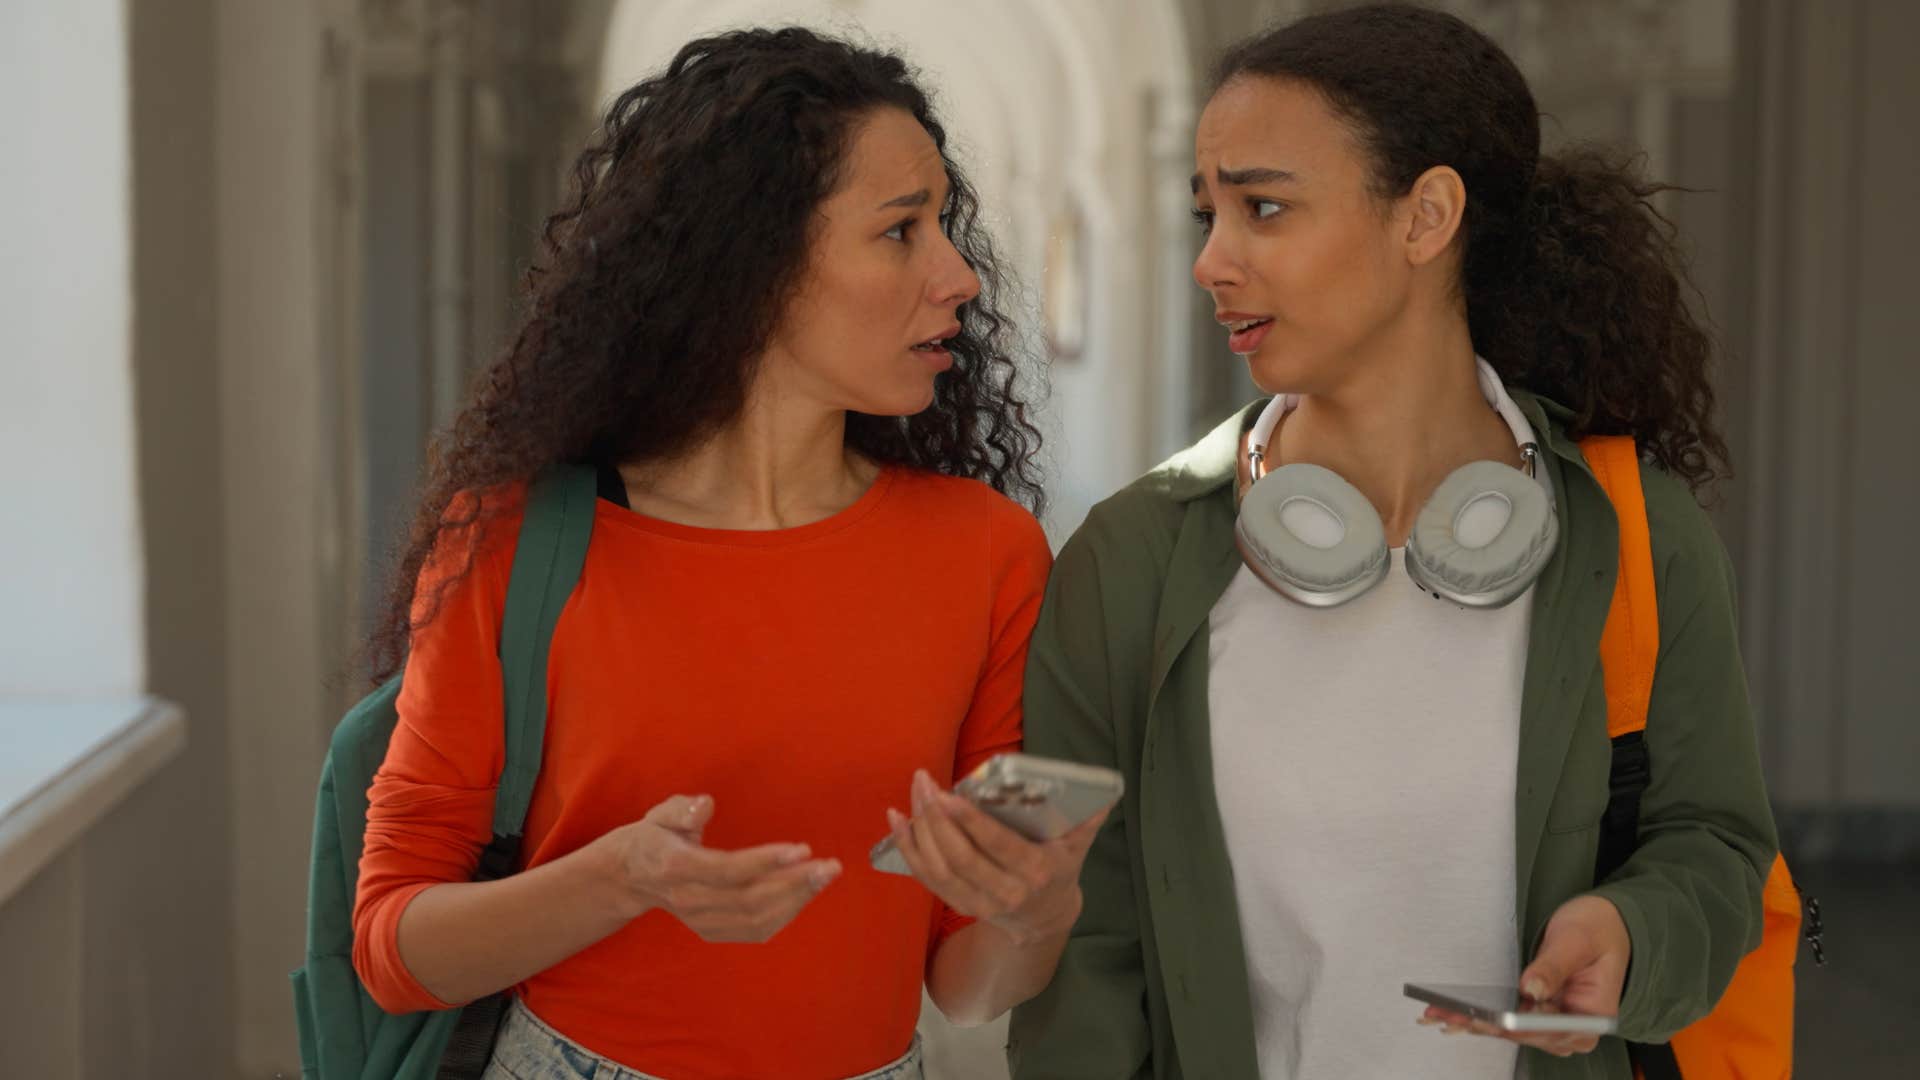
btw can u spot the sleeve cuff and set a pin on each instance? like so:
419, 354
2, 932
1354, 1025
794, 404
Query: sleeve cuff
1643, 967
380, 966
948, 923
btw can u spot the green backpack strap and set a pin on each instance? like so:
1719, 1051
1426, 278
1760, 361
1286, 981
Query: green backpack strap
344, 1034
546, 566
547, 560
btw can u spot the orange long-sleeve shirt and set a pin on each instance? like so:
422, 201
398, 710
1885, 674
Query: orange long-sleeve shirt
798, 676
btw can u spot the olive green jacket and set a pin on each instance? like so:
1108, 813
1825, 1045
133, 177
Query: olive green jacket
1153, 981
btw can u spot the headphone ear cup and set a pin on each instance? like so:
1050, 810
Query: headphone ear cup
1312, 536
1484, 536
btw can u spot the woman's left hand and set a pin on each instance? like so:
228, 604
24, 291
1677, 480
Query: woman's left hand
983, 869
1580, 967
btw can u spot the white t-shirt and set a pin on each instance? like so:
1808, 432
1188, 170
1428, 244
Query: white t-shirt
1364, 760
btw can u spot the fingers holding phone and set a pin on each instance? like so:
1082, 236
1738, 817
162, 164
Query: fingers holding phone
1507, 1013
1581, 964
984, 867
1568, 995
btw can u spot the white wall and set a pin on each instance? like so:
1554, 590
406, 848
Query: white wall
70, 562
96, 947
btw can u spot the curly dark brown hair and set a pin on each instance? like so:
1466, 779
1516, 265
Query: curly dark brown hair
661, 281
1576, 287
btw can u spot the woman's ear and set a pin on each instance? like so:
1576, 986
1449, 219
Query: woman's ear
1437, 202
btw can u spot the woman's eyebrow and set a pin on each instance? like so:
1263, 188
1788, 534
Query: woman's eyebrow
915, 199
1247, 177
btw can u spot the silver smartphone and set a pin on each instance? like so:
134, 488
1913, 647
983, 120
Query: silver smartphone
1506, 1008
1039, 798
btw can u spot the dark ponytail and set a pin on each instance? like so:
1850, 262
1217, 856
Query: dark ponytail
1576, 287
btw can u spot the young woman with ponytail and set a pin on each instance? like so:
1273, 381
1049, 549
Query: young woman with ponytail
1346, 648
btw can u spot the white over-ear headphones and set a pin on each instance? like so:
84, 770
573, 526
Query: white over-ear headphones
1482, 538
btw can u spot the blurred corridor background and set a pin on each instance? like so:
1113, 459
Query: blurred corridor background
255, 249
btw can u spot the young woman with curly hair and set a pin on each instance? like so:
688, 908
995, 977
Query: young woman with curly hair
770, 317
1370, 746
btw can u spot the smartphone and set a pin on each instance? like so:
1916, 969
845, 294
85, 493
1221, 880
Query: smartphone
1506, 1008
1039, 798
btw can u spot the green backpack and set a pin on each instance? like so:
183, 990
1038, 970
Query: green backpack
343, 1034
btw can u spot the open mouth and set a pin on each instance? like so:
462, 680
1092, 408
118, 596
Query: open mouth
937, 345
1245, 335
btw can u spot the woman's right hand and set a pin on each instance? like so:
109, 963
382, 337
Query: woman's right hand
738, 896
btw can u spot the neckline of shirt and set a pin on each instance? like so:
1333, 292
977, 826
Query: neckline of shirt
855, 512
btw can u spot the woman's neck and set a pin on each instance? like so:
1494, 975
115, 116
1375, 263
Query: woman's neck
1408, 411
782, 463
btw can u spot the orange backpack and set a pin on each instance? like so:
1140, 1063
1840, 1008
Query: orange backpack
1749, 1034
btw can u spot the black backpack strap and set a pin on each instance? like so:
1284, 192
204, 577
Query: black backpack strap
1619, 834
1654, 1061
469, 1048
1626, 782
546, 565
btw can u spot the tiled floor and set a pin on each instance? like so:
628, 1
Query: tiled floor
1859, 1017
